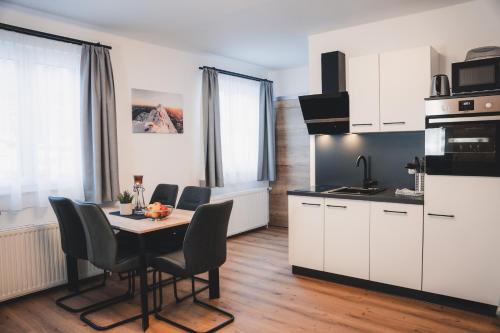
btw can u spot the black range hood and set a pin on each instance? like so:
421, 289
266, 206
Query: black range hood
328, 113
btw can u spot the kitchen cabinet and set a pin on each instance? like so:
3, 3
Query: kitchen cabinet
461, 237
347, 237
387, 90
396, 244
363, 87
405, 77
306, 231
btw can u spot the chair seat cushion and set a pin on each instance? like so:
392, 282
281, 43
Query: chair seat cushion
172, 263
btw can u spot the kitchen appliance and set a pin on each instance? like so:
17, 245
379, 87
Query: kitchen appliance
417, 168
328, 113
473, 76
462, 135
483, 53
440, 86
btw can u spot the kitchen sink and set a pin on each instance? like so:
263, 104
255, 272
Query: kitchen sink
355, 190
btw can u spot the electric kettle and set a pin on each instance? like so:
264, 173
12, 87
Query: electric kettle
440, 86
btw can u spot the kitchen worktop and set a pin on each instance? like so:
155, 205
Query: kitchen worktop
387, 195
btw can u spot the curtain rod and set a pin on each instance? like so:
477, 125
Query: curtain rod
46, 35
243, 76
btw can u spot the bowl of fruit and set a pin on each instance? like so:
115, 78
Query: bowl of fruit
158, 211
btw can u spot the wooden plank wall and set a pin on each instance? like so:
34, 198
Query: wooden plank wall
292, 158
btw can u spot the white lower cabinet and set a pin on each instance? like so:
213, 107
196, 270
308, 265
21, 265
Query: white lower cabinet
462, 237
306, 230
347, 237
396, 244
449, 247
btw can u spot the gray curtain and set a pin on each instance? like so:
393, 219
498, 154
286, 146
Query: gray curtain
267, 129
98, 119
211, 129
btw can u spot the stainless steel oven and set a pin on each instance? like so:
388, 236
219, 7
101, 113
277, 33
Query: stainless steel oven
462, 135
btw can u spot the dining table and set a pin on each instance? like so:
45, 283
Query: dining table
140, 228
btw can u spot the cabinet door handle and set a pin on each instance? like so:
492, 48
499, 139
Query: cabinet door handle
336, 206
395, 123
367, 124
441, 215
394, 212
311, 204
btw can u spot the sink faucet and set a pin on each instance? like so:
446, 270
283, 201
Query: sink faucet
367, 182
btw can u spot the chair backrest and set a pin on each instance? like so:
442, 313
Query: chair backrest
205, 241
70, 227
166, 194
194, 196
101, 242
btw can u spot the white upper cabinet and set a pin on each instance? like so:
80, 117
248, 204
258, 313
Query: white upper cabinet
405, 78
363, 87
387, 90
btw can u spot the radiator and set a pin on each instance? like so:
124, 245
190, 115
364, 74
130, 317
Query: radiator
31, 259
250, 209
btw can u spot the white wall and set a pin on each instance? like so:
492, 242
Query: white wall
159, 157
290, 82
450, 30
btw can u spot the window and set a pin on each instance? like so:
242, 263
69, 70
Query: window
40, 144
239, 121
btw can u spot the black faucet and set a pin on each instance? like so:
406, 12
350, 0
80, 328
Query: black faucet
367, 182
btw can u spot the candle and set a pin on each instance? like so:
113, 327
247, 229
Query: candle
138, 180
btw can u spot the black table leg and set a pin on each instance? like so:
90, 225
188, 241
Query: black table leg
213, 283
143, 280
72, 273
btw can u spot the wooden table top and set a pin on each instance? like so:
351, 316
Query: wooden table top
178, 217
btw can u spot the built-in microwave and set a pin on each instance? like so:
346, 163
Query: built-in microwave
476, 76
462, 136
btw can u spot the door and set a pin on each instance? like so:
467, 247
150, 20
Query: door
405, 78
347, 237
461, 237
396, 244
305, 230
363, 87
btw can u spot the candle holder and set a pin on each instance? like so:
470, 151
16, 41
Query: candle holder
139, 196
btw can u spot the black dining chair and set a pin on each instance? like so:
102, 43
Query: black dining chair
73, 244
105, 252
169, 240
193, 196
204, 249
166, 194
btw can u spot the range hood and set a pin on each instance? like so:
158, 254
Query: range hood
328, 113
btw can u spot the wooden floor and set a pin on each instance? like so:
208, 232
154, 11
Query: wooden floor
258, 288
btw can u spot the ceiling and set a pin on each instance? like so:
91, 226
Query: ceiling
270, 33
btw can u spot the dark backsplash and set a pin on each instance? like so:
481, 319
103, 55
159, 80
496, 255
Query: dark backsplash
389, 152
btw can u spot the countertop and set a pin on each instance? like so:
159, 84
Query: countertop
388, 195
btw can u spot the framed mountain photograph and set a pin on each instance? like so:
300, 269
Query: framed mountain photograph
157, 112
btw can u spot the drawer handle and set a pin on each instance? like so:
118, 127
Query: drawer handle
394, 212
442, 215
395, 123
336, 206
367, 124
311, 204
